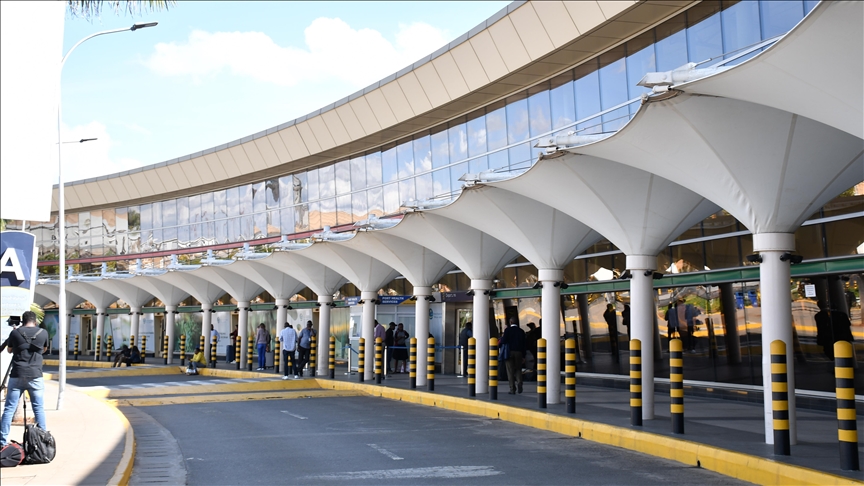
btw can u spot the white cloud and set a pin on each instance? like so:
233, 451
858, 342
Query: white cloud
90, 159
333, 50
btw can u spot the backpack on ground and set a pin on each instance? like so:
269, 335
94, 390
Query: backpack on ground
11, 455
39, 445
191, 371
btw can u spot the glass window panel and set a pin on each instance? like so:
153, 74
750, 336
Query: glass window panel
440, 149
563, 104
314, 215
587, 92
121, 242
259, 200
389, 165
194, 217
286, 220
520, 156
405, 157
273, 191
232, 201
373, 169
326, 181
540, 114
391, 198
476, 136
457, 171
440, 182
146, 219
496, 128
424, 186
301, 217
671, 46
478, 165
778, 17
613, 79
358, 173
284, 192
704, 39
458, 136
719, 223
740, 26
157, 224
808, 242
422, 154
312, 188
376, 201
406, 191
517, 121
328, 212
343, 177
358, 206
640, 60
274, 223
300, 187
220, 215
498, 160
846, 203
344, 209
169, 221
809, 5
844, 237
96, 233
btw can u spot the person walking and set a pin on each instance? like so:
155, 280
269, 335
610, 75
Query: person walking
513, 346
612, 323
305, 346
262, 338
388, 343
26, 343
466, 334
288, 338
400, 341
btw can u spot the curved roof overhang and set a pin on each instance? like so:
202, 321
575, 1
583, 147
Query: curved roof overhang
169, 294
321, 279
204, 291
97, 296
367, 273
132, 295
240, 288
277, 283
46, 293
417, 263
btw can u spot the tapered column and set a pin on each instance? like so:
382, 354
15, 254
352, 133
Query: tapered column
169, 329
136, 324
776, 307
281, 319
323, 341
481, 288
369, 299
642, 322
100, 328
242, 331
421, 327
206, 320
551, 330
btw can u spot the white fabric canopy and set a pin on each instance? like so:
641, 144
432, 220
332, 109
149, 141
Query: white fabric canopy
420, 265
279, 284
367, 273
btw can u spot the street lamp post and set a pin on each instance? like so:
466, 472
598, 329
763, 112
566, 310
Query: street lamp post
61, 210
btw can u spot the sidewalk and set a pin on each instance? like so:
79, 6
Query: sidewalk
94, 443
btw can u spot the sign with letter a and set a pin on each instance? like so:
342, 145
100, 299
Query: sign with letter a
17, 272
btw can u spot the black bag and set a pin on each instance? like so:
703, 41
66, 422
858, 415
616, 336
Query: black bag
39, 445
11, 455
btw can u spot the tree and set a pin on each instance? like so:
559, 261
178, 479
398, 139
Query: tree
90, 9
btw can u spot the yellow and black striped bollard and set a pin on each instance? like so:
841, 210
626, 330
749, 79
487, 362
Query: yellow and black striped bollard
541, 373
361, 361
493, 368
143, 348
430, 364
276, 356
202, 343
676, 385
165, 349
570, 374
780, 399
379, 350
412, 364
109, 346
182, 350
289, 363
213, 341
98, 351
238, 342
636, 382
250, 346
131, 340
313, 356
331, 358
847, 427
472, 367
76, 348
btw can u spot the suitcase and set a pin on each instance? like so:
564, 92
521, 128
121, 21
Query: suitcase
11, 455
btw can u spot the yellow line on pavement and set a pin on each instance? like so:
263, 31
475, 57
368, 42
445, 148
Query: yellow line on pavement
202, 389
84, 364
115, 372
240, 397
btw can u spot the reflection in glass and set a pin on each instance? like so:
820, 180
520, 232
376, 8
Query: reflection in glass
314, 216
220, 215
96, 234
273, 191
563, 101
779, 17
425, 189
845, 237
358, 206
343, 177
328, 212
671, 46
389, 165
587, 98
326, 181
146, 220
391, 198
422, 154
440, 182
183, 227
344, 209
613, 89
458, 136
520, 156
640, 60
122, 225
406, 190
313, 188
440, 149
498, 160
286, 221
169, 222
376, 201
373, 169
358, 173
740, 26
457, 171
476, 136
540, 115
405, 159
517, 119
301, 217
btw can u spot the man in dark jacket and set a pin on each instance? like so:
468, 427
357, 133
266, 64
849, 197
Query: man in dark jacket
27, 343
514, 342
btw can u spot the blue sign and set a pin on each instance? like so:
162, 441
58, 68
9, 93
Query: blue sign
385, 300
17, 271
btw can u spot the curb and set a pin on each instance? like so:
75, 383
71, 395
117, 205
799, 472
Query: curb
737, 465
84, 364
124, 469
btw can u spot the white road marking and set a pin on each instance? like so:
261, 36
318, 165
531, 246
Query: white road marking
294, 415
385, 452
413, 473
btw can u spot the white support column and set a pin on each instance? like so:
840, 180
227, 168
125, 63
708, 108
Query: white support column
281, 319
242, 331
642, 322
136, 321
551, 330
776, 307
206, 320
71, 337
169, 330
368, 332
100, 327
480, 316
323, 340
421, 329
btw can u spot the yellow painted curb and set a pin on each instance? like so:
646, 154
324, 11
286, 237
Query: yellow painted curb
84, 364
232, 373
267, 395
201, 389
124, 469
79, 375
749, 468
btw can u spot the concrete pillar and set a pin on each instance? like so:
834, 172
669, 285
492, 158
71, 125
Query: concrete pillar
551, 332
642, 322
281, 319
774, 278
242, 331
421, 329
837, 294
323, 339
481, 288
100, 327
730, 324
169, 330
134, 330
367, 332
585, 321
206, 320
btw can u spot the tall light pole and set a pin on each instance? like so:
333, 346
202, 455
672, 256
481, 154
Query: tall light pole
61, 209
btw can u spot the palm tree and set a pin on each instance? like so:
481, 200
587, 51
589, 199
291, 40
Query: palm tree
90, 9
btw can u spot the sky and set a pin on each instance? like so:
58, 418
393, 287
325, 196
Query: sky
214, 72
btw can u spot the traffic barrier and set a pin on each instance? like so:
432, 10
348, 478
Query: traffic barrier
570, 374
250, 346
277, 355
635, 382
331, 359
98, 352
541, 373
379, 350
182, 350
313, 356
780, 399
165, 349
143, 348
361, 362
493, 368
412, 364
430, 364
847, 428
109, 346
472, 367
676, 385
237, 343
76, 348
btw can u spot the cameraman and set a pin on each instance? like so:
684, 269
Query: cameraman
27, 343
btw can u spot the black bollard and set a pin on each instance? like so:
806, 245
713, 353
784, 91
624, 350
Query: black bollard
780, 401
676, 385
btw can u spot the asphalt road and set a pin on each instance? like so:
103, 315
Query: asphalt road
364, 440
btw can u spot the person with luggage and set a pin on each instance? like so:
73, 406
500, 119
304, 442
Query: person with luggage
27, 343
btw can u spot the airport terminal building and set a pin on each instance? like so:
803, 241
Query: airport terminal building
697, 165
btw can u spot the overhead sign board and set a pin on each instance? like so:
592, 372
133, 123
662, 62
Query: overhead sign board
17, 272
